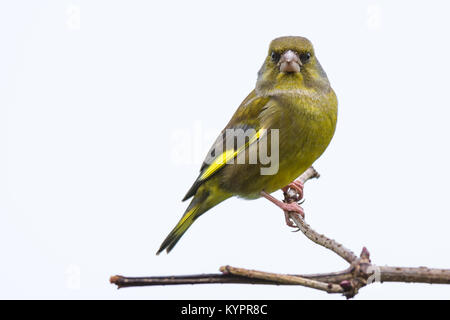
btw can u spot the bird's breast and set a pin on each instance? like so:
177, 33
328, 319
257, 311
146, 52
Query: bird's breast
305, 127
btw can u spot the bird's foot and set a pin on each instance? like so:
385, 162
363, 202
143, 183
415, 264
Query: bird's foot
296, 186
288, 208
292, 208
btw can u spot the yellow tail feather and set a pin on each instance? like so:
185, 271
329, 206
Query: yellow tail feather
186, 221
205, 198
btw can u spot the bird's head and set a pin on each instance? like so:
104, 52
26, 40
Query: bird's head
290, 66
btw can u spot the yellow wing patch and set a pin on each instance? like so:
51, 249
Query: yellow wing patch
228, 155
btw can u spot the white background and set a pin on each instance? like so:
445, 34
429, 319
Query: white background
107, 109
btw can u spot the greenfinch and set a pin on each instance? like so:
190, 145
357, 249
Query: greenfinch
290, 114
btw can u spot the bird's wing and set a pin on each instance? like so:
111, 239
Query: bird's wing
245, 130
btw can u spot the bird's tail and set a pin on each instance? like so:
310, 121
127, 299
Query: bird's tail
177, 232
202, 202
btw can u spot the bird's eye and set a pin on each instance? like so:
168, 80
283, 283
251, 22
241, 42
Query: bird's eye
275, 56
304, 57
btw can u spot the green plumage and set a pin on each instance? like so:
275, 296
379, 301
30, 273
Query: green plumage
301, 105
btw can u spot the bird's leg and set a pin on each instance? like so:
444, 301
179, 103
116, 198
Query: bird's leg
297, 186
286, 207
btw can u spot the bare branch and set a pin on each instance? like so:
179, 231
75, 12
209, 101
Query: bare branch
223, 278
417, 275
322, 240
283, 279
360, 273
314, 236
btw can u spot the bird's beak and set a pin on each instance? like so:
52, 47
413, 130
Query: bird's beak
290, 62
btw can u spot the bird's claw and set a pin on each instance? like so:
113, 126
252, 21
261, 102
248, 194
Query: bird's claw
289, 222
288, 206
292, 208
296, 186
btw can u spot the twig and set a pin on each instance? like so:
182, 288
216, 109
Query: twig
348, 282
314, 236
123, 282
283, 279
418, 275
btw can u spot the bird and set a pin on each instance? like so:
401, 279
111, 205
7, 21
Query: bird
292, 111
